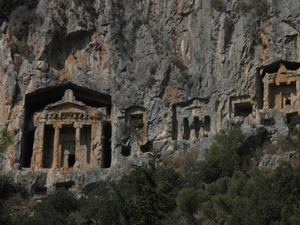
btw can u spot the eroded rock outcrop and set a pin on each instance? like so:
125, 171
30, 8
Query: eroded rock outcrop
170, 74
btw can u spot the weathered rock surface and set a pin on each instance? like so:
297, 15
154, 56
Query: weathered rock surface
172, 73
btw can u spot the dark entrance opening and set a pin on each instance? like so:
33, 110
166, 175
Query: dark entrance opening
38, 100
136, 121
40, 190
126, 150
174, 123
48, 146
85, 140
147, 147
29, 145
289, 116
106, 143
71, 160
196, 126
186, 129
68, 145
242, 109
65, 185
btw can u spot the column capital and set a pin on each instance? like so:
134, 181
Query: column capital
57, 125
77, 125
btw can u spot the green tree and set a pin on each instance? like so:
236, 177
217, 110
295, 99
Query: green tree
55, 209
222, 158
146, 195
189, 203
6, 139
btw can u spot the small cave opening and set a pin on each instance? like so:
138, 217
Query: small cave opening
289, 116
38, 100
136, 121
40, 190
126, 150
268, 122
106, 151
242, 109
147, 147
67, 185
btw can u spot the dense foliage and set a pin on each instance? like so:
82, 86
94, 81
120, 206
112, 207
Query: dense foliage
214, 191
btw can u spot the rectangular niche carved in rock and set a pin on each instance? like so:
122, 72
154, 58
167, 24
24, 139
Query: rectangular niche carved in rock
48, 146
282, 96
67, 146
242, 109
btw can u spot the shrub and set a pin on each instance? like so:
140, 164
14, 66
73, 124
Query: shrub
152, 68
6, 139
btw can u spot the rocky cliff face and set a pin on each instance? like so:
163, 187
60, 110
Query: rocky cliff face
169, 74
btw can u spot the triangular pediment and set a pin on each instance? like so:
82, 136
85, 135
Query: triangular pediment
67, 104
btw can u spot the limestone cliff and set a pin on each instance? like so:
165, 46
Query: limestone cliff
165, 74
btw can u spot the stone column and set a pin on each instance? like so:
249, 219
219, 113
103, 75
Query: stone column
37, 153
56, 157
96, 142
66, 158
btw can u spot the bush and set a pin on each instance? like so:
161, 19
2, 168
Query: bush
6, 139
152, 68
